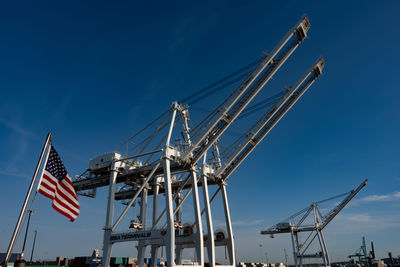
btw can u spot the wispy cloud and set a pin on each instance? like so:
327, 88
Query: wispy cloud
360, 218
359, 222
248, 223
11, 171
12, 165
379, 198
16, 127
240, 223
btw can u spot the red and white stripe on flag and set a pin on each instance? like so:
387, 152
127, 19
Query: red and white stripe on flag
57, 185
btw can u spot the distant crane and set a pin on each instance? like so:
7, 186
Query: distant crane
362, 255
311, 220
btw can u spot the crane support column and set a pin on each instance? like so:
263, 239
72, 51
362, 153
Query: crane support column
199, 228
154, 248
210, 229
320, 239
328, 261
169, 206
143, 219
170, 236
110, 215
294, 247
178, 220
231, 242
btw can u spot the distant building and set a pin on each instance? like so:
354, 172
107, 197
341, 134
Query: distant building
388, 261
13, 258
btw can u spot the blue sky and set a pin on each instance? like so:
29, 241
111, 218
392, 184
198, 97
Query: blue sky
93, 73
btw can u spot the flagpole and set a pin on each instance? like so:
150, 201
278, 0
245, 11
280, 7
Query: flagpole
28, 196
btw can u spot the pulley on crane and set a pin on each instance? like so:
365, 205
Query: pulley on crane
135, 223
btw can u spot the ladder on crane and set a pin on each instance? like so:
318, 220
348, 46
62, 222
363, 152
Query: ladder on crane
177, 171
300, 223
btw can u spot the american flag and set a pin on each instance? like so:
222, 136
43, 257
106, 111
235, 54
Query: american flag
57, 185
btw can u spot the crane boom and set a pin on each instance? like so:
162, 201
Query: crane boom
231, 109
264, 125
242, 96
333, 212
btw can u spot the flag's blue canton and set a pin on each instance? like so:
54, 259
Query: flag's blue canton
55, 166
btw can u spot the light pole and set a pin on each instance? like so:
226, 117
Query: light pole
286, 257
33, 246
266, 257
26, 232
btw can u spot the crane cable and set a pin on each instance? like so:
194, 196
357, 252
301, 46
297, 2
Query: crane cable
205, 91
142, 130
247, 112
198, 96
261, 105
161, 126
331, 198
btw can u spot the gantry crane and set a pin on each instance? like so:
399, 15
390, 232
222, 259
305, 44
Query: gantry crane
177, 169
313, 221
361, 254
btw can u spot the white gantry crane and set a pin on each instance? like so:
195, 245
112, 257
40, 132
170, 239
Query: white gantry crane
311, 221
171, 158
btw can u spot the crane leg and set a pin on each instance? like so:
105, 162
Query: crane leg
210, 229
154, 248
294, 249
322, 249
231, 243
178, 218
141, 252
143, 219
154, 254
170, 236
107, 246
199, 228
178, 255
326, 255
